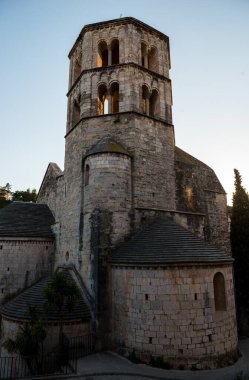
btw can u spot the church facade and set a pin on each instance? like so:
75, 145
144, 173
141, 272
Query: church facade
141, 224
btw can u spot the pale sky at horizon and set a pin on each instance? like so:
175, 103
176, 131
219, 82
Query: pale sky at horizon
209, 42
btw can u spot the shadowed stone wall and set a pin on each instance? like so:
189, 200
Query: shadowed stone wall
22, 262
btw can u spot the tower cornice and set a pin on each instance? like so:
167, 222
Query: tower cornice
116, 115
112, 67
117, 22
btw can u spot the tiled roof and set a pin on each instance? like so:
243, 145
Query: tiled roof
22, 219
165, 242
18, 307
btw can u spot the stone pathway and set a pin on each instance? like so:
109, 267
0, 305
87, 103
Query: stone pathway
110, 366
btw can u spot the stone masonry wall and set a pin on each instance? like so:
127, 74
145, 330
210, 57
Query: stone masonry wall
109, 191
199, 190
22, 262
151, 144
193, 222
170, 312
216, 228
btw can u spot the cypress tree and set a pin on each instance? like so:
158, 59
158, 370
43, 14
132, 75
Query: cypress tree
240, 250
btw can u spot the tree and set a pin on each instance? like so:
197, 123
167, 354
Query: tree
240, 249
18, 195
28, 340
24, 196
61, 295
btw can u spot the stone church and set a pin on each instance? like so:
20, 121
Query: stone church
140, 224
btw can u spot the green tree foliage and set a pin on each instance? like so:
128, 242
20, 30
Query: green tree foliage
29, 337
18, 195
24, 196
61, 295
240, 242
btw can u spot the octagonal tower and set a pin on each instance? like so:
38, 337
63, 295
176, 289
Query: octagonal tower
119, 88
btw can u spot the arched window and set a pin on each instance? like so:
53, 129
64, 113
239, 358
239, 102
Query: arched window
219, 292
152, 59
144, 55
145, 100
102, 100
114, 97
76, 111
76, 70
102, 54
115, 52
87, 172
154, 104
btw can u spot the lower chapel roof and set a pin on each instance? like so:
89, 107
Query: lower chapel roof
18, 307
164, 242
107, 145
23, 219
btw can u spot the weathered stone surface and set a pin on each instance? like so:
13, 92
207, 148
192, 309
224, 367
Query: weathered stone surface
174, 314
105, 196
22, 262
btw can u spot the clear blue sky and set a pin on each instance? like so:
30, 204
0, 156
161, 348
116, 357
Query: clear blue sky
210, 79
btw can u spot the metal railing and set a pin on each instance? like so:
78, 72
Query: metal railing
80, 346
63, 362
30, 366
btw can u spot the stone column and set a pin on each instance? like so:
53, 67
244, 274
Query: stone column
146, 61
109, 56
147, 106
109, 103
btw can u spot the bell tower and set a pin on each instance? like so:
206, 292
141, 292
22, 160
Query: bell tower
119, 156
119, 86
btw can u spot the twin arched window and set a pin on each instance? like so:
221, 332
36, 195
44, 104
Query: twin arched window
219, 292
108, 55
150, 102
108, 100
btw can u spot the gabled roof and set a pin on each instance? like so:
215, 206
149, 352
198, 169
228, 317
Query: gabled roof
164, 242
107, 145
53, 170
184, 158
18, 307
23, 219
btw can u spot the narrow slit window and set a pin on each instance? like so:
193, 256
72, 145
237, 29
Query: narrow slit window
219, 292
